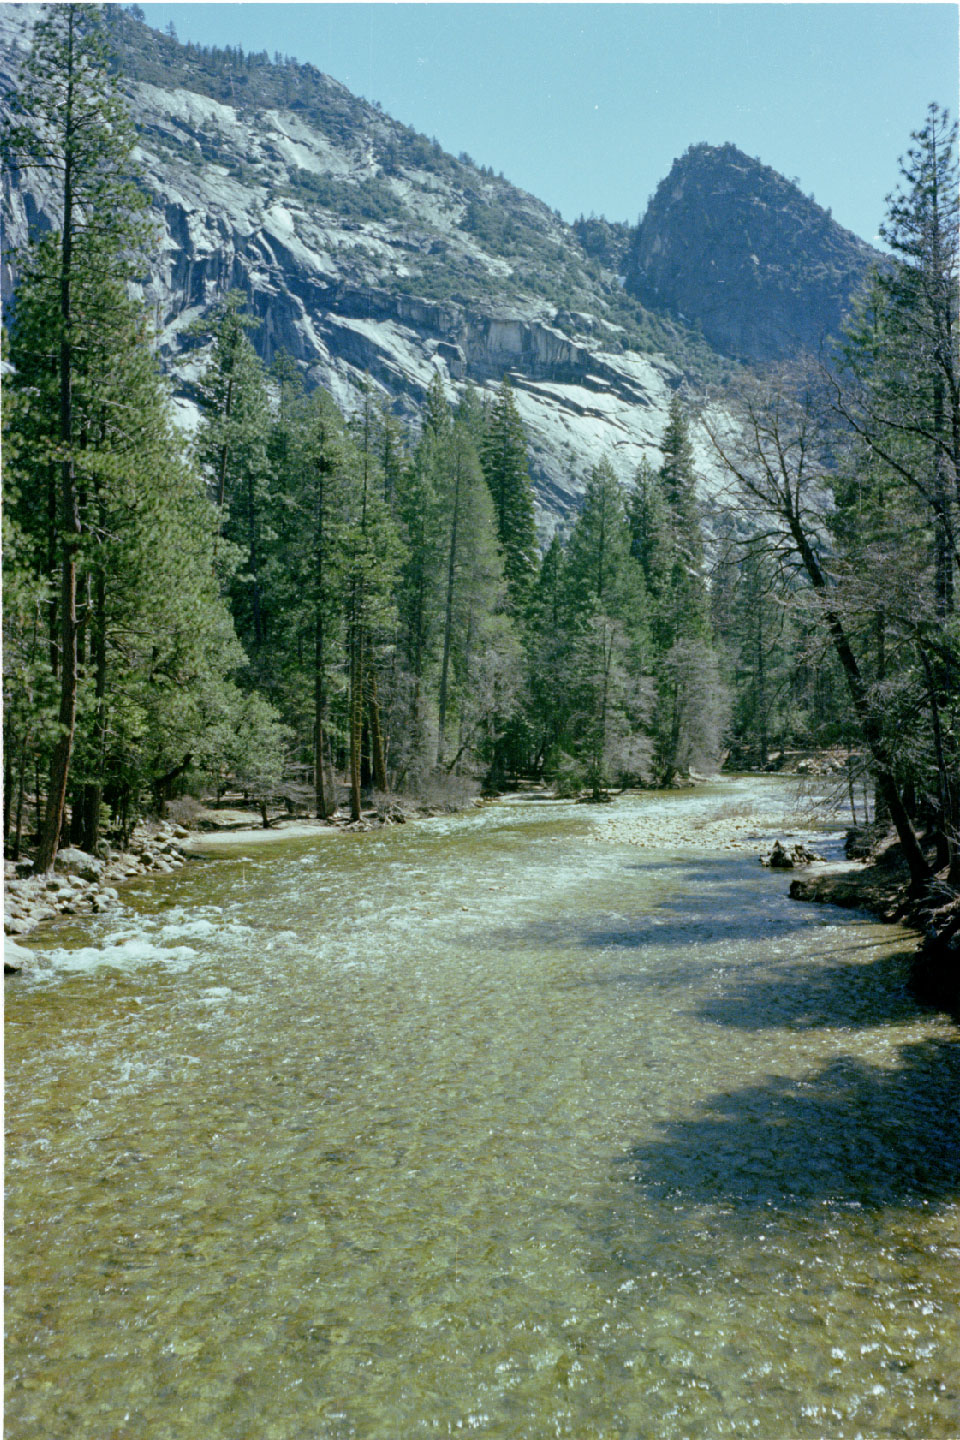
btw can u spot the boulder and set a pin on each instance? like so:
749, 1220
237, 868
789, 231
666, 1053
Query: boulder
77, 862
780, 858
16, 958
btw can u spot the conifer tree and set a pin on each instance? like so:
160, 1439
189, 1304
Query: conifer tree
506, 468
417, 507
690, 703
67, 119
313, 460
232, 451
606, 607
154, 644
372, 555
650, 538
548, 679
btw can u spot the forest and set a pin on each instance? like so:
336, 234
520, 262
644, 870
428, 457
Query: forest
297, 600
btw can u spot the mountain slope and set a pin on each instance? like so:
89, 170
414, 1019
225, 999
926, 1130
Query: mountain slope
368, 252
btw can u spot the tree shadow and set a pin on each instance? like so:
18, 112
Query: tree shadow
719, 916
804, 995
854, 1133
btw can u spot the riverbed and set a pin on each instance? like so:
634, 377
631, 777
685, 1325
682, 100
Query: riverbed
543, 1120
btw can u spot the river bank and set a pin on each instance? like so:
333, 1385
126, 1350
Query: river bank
84, 884
880, 884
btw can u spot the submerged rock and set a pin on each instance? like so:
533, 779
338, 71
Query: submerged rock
780, 858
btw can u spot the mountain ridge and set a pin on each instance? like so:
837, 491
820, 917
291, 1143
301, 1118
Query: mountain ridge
367, 251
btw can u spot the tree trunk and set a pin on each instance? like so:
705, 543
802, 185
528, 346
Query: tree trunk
377, 756
162, 784
7, 794
66, 716
448, 616
869, 725
254, 562
69, 512
322, 802
319, 787
356, 722
94, 791
946, 786
761, 681
21, 786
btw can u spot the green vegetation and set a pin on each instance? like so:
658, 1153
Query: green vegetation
368, 199
850, 474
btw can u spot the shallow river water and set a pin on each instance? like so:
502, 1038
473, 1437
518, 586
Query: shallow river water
504, 1124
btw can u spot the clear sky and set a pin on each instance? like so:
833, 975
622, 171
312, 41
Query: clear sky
586, 106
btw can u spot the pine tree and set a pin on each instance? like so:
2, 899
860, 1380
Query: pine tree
469, 545
232, 451
67, 119
922, 315
313, 460
650, 531
606, 605
506, 468
417, 507
548, 669
690, 704
154, 654
372, 557
599, 544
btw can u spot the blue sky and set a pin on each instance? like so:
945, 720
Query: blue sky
586, 106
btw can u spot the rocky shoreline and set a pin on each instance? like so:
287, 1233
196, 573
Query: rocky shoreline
82, 884
880, 884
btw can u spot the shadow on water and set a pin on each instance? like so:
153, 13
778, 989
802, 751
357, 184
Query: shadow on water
853, 1132
717, 915
803, 995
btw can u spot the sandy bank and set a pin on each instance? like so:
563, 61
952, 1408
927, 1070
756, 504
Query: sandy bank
200, 841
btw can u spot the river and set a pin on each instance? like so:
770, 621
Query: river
545, 1120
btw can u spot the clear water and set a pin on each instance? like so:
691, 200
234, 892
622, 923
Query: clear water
504, 1124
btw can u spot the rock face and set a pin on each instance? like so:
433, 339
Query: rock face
729, 244
367, 252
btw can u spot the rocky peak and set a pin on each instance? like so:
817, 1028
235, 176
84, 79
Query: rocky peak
732, 246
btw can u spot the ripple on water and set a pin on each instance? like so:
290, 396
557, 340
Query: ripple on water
482, 1128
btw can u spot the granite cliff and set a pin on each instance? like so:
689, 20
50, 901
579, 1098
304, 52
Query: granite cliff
367, 251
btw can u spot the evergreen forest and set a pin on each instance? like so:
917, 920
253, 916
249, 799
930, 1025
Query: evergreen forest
329, 610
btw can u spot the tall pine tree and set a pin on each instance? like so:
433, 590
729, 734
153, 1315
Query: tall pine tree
67, 119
